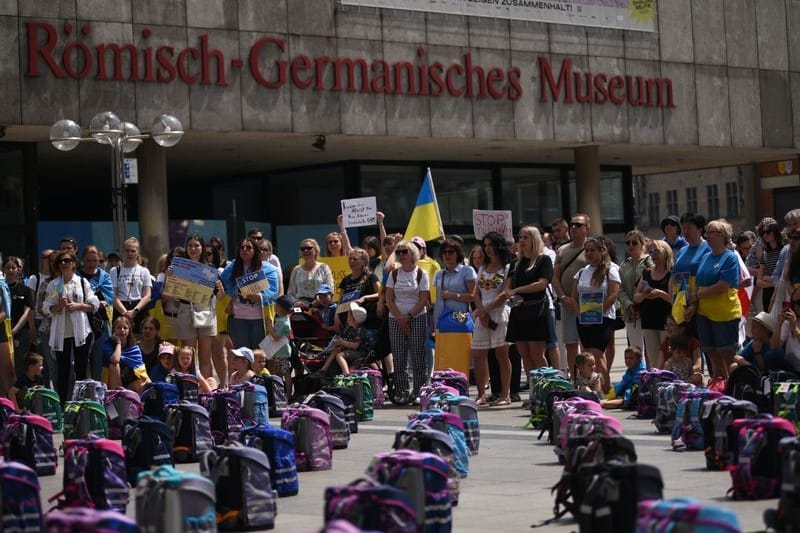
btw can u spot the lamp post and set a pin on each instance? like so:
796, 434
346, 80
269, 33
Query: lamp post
123, 138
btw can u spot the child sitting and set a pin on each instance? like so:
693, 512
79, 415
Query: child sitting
678, 329
122, 358
241, 361
620, 394
34, 364
260, 362
324, 307
346, 349
184, 362
160, 370
276, 343
758, 350
586, 379
681, 362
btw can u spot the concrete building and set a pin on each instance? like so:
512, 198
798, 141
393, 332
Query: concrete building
535, 116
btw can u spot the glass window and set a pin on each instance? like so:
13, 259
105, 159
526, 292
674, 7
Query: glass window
395, 188
653, 208
712, 199
309, 196
672, 202
459, 191
732, 199
691, 200
12, 230
611, 194
533, 195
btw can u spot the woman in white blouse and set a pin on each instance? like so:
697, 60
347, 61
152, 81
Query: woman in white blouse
307, 277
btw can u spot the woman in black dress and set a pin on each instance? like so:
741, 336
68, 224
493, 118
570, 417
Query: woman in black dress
530, 274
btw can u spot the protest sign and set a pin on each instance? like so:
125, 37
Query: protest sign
359, 212
591, 307
485, 221
191, 281
252, 283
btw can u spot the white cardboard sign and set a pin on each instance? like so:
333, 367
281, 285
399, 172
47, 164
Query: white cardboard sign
359, 212
484, 221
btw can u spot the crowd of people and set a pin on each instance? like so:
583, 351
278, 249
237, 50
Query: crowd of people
699, 300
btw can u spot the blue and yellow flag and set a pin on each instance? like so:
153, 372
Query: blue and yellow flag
425, 222
680, 303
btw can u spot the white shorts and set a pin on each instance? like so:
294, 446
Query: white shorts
484, 338
185, 328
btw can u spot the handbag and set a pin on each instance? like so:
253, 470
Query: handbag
453, 321
202, 318
618, 322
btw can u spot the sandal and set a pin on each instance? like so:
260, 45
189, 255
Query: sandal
501, 402
480, 401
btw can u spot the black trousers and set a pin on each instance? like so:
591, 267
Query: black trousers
71, 357
494, 371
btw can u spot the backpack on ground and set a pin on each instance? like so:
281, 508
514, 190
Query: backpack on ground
786, 518
452, 378
83, 418
766, 391
6, 410
719, 437
45, 402
28, 439
612, 498
669, 395
423, 477
94, 475
648, 391
363, 389
147, 442
582, 426
376, 383
278, 445
786, 398
253, 400
171, 500
685, 514
156, 396
756, 469
422, 438
188, 386
372, 506
80, 520
687, 431
20, 503
191, 431
121, 405
245, 499
542, 373
334, 406
348, 397
88, 389
560, 395
558, 418
467, 410
450, 424
312, 434
540, 418
744, 383
434, 393
225, 414
276, 392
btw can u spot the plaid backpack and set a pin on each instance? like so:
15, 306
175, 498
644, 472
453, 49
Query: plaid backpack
756, 468
83, 418
312, 434
688, 427
363, 389
171, 500
719, 437
348, 397
422, 438
276, 392
148, 443
434, 393
225, 413
45, 402
467, 410
561, 411
245, 499
669, 395
79, 520
369, 505
450, 424
540, 417
94, 475
191, 429
376, 383
20, 505
340, 430
121, 405
648, 391
452, 378
188, 386
278, 445
253, 402
28, 439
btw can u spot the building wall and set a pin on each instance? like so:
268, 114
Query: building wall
733, 65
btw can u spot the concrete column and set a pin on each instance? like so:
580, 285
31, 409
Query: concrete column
587, 184
153, 216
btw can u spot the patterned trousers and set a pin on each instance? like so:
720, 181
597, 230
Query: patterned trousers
402, 345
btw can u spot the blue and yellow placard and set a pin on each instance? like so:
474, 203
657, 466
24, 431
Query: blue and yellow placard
191, 281
591, 307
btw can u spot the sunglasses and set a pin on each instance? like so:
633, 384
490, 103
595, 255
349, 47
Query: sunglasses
66, 261
577, 225
306, 248
631, 243
258, 237
401, 251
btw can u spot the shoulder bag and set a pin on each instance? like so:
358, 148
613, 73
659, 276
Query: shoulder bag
451, 321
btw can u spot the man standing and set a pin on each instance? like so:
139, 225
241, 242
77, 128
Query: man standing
570, 259
560, 231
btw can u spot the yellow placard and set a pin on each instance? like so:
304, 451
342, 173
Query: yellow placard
183, 289
340, 268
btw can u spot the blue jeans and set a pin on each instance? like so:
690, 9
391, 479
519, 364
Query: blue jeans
245, 332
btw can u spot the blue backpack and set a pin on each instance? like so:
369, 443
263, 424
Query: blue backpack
685, 514
278, 445
170, 500
253, 400
156, 396
20, 506
688, 427
371, 506
148, 443
94, 475
450, 424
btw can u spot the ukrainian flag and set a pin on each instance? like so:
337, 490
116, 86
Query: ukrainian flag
425, 221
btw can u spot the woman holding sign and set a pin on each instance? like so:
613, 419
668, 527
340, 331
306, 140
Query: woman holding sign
252, 285
593, 297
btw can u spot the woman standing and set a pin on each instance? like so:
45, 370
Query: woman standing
773, 242
407, 296
456, 283
715, 299
361, 287
337, 243
198, 323
104, 290
22, 305
475, 258
307, 277
630, 273
598, 282
69, 298
528, 323
151, 339
654, 300
268, 255
132, 286
246, 313
491, 317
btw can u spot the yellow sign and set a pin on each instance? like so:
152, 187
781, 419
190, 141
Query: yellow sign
340, 268
183, 289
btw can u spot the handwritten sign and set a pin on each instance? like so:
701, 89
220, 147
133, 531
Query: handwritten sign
591, 307
191, 281
485, 221
359, 212
252, 283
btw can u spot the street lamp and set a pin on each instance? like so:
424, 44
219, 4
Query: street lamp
123, 137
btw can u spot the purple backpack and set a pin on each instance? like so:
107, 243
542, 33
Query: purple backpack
6, 410
376, 380
188, 386
450, 424
94, 475
561, 411
648, 391
29, 440
20, 506
334, 406
423, 477
434, 392
588, 425
225, 414
121, 405
366, 504
422, 438
312, 437
688, 426
452, 378
79, 520
756, 468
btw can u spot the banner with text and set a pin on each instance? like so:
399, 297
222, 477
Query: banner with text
484, 221
359, 212
191, 281
638, 15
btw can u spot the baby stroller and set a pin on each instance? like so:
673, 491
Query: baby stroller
309, 338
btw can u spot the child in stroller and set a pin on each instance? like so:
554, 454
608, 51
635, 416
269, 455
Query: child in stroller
347, 349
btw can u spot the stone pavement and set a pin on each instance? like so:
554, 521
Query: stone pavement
508, 487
